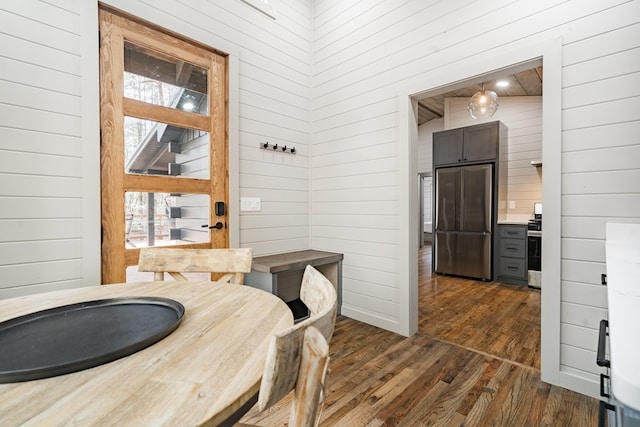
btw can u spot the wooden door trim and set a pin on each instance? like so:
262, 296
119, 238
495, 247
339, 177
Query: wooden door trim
115, 29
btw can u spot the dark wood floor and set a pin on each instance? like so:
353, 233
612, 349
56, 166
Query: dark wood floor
474, 362
491, 317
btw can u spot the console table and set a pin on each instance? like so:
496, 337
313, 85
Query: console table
281, 274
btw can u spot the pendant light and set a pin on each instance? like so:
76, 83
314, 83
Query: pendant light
483, 104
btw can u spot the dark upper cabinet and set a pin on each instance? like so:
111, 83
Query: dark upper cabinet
469, 144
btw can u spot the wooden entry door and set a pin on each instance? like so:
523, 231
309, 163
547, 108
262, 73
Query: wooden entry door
164, 147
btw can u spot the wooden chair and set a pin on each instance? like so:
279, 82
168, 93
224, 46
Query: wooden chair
320, 297
297, 358
302, 369
233, 263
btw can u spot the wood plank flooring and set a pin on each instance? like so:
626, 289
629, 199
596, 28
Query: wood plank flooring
495, 318
474, 362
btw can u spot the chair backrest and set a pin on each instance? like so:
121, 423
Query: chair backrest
284, 355
309, 392
319, 295
234, 263
304, 353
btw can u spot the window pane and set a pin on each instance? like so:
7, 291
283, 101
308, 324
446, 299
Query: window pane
162, 219
158, 78
152, 148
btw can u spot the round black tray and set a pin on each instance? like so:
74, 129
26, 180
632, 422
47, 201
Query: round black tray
78, 336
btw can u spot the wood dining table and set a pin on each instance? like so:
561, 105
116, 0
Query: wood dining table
202, 373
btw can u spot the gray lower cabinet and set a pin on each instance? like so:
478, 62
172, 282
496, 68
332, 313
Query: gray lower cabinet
512, 254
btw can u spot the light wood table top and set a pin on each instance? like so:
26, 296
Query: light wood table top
198, 375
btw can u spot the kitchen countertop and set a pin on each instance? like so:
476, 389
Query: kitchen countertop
516, 219
623, 292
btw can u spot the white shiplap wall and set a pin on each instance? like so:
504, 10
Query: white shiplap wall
49, 164
367, 52
41, 148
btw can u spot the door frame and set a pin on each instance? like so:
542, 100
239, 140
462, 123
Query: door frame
476, 69
217, 123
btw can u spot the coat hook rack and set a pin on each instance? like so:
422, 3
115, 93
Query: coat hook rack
275, 147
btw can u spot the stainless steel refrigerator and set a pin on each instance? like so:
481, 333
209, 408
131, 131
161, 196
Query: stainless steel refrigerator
464, 221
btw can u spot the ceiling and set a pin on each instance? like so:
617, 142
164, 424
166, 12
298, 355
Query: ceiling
523, 83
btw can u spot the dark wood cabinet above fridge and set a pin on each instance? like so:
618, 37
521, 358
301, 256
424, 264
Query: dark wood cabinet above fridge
470, 144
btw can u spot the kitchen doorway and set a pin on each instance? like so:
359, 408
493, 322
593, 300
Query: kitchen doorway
499, 62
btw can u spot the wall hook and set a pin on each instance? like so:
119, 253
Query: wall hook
284, 149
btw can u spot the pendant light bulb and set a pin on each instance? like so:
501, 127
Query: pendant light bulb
483, 104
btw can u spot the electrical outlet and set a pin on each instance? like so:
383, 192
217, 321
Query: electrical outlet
248, 204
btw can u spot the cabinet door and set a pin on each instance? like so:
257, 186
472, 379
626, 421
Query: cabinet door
447, 147
480, 142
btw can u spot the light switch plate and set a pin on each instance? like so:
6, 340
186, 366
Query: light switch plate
248, 204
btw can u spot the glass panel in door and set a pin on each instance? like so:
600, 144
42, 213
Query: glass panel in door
153, 148
161, 79
162, 219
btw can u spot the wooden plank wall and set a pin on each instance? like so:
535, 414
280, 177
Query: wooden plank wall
366, 53
42, 181
40, 147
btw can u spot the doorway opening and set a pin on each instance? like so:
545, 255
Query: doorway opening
489, 323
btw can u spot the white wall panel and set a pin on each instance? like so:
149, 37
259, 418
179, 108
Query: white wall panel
39, 251
13, 277
365, 287
590, 227
582, 315
249, 222
268, 181
24, 230
578, 360
380, 221
611, 135
41, 167
585, 294
366, 54
362, 180
30, 74
576, 336
585, 272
